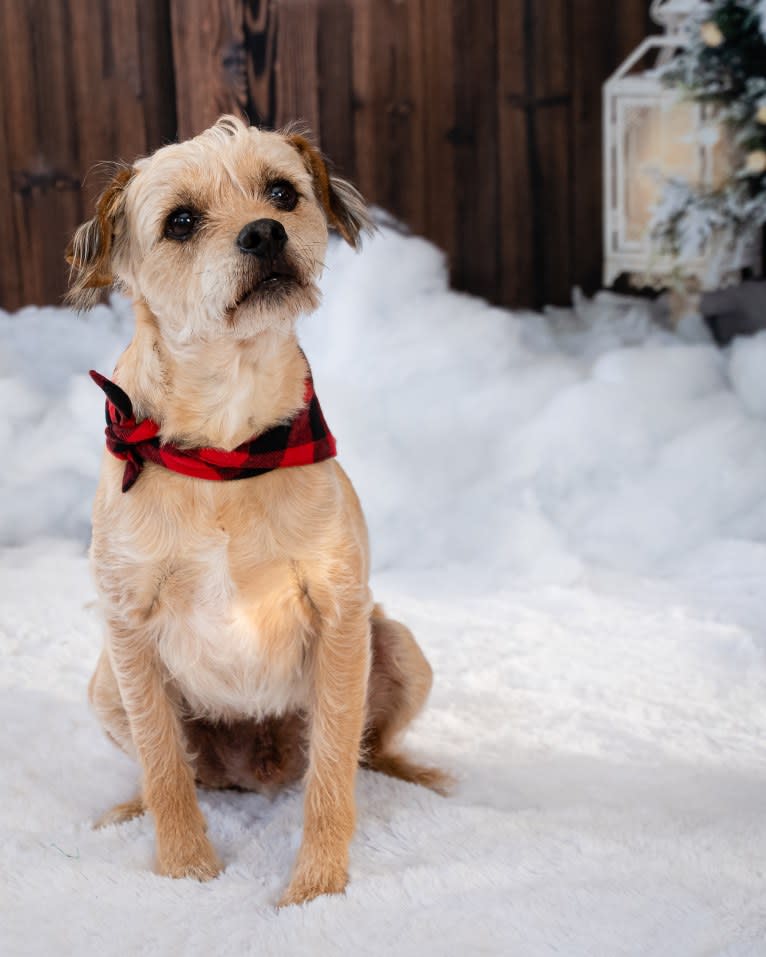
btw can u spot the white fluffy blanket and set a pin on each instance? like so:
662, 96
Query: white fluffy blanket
570, 512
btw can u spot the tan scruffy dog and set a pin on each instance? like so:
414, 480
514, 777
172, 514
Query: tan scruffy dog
243, 648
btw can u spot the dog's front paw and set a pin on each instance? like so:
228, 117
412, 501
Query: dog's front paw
195, 858
310, 882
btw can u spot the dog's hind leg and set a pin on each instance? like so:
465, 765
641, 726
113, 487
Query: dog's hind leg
262, 755
400, 680
104, 696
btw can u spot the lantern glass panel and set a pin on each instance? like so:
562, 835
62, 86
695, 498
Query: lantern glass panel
660, 142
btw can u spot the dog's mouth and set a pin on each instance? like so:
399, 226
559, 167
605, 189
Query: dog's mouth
272, 281
275, 284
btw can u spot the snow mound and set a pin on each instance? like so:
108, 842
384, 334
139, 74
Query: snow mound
747, 370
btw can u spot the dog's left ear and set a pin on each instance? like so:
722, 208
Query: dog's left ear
90, 251
342, 202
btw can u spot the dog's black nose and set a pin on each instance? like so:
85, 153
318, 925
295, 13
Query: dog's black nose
263, 238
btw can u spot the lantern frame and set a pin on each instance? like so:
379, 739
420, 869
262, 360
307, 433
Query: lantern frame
625, 91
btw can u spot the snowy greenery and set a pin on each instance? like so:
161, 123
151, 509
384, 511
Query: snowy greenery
724, 66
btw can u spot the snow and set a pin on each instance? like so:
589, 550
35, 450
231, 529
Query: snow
568, 509
746, 367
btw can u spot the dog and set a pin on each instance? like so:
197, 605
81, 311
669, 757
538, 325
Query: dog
242, 645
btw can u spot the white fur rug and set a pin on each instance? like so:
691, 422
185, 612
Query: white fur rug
570, 512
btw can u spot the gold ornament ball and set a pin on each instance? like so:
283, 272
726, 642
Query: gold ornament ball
761, 114
711, 34
756, 161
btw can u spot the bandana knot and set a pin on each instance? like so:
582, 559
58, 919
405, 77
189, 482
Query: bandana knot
303, 440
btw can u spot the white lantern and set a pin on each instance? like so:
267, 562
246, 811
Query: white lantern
651, 135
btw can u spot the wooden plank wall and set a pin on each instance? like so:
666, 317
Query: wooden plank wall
477, 122
81, 81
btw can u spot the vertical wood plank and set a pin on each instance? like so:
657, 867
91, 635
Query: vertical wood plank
10, 266
549, 47
41, 148
629, 29
260, 34
363, 95
335, 85
554, 211
551, 85
473, 139
388, 143
210, 62
401, 161
516, 151
296, 62
439, 183
156, 93
536, 152
421, 169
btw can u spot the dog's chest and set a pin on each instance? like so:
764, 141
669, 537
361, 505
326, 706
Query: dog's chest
235, 643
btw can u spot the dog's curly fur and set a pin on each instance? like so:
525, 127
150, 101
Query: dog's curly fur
243, 648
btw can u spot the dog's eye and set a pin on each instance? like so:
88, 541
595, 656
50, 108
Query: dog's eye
180, 223
283, 195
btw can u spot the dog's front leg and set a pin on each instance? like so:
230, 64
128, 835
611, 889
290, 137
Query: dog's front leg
183, 849
341, 663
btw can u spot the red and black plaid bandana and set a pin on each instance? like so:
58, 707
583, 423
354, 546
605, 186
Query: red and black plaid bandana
303, 440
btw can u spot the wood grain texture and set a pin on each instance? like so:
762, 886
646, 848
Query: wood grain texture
337, 103
40, 146
550, 48
438, 77
597, 53
389, 161
296, 64
475, 122
515, 158
550, 96
10, 267
555, 275
79, 86
259, 28
210, 61
475, 260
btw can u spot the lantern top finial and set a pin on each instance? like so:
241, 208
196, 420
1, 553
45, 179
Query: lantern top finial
672, 14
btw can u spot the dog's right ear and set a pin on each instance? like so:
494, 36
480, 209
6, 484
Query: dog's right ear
90, 251
343, 204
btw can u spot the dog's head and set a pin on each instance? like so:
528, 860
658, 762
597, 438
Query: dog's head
223, 235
